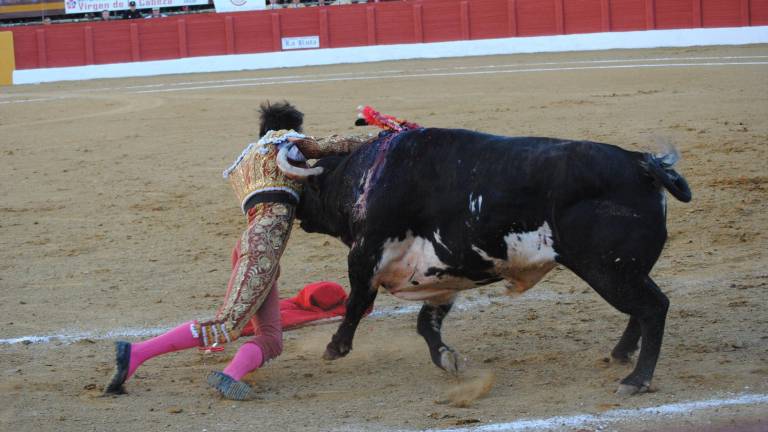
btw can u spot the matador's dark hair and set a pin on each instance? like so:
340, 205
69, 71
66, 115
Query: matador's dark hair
280, 115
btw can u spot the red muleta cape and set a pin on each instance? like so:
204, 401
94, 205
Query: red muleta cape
316, 301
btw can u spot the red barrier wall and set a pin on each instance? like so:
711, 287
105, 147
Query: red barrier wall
364, 24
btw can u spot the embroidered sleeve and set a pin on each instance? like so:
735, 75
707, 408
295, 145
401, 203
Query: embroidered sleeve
315, 148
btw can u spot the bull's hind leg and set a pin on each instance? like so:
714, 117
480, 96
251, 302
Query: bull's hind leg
429, 324
647, 307
613, 248
651, 313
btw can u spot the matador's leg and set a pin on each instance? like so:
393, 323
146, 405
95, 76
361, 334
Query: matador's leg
252, 280
259, 299
265, 346
254, 274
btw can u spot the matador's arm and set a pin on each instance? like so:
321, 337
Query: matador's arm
315, 148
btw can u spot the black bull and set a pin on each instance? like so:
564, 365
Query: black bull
446, 210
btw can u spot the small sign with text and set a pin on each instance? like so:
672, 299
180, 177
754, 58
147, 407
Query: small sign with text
301, 42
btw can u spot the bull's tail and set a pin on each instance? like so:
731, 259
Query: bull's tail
661, 167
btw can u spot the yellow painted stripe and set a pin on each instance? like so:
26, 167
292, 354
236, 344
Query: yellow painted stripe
7, 60
31, 7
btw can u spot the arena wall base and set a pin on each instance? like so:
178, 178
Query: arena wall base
561, 43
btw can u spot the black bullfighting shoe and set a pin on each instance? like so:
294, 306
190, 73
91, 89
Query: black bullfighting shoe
230, 388
122, 359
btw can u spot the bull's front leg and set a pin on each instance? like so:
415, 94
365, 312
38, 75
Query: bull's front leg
361, 297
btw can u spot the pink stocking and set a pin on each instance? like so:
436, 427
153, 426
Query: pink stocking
176, 339
248, 358
267, 345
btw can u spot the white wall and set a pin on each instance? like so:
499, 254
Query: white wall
579, 42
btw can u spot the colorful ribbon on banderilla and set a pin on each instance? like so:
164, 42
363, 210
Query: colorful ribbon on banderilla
369, 116
392, 127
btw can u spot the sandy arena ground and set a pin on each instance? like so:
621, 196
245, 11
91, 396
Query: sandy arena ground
114, 221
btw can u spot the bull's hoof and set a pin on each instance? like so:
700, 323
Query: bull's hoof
626, 390
333, 352
449, 360
330, 354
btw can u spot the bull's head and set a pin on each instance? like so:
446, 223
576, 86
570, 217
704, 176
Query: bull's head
321, 198
323, 201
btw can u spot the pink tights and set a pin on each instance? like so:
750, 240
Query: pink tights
266, 345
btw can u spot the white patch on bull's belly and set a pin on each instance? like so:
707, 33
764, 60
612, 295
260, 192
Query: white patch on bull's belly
403, 266
530, 255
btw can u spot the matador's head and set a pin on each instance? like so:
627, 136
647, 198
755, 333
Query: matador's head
280, 115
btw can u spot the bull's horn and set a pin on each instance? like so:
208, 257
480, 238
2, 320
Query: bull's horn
291, 171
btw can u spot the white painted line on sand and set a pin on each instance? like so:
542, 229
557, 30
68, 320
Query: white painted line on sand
613, 416
76, 336
32, 100
79, 335
386, 74
451, 68
277, 77
396, 71
461, 305
617, 60
450, 74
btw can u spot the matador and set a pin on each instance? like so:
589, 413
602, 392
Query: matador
268, 195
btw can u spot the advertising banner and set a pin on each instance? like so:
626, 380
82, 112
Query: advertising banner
86, 6
239, 5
